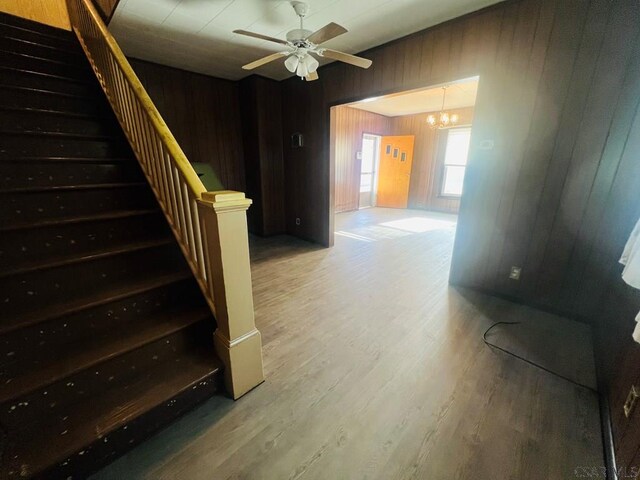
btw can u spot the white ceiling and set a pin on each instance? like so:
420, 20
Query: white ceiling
459, 95
196, 35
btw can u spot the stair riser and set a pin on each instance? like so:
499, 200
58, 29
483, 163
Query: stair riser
50, 400
19, 121
31, 99
16, 44
12, 146
36, 64
21, 175
51, 83
64, 42
34, 291
40, 345
25, 246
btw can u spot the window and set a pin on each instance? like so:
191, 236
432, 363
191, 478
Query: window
455, 161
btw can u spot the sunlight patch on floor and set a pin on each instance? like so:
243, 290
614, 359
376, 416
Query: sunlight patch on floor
396, 229
420, 224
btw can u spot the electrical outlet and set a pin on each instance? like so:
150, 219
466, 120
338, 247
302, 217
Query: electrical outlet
515, 273
297, 221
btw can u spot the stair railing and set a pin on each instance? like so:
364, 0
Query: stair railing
211, 227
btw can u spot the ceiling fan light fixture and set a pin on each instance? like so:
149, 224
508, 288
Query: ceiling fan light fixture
311, 63
292, 63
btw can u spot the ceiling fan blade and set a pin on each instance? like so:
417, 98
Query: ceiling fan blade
346, 58
261, 37
326, 33
264, 60
311, 77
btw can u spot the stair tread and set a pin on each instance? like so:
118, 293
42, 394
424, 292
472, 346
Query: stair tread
87, 80
77, 219
23, 41
95, 419
86, 256
100, 350
81, 64
47, 111
5, 86
48, 133
42, 159
121, 291
62, 188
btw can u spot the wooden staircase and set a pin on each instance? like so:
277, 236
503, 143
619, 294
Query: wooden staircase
105, 336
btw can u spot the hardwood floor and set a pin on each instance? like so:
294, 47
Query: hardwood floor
376, 369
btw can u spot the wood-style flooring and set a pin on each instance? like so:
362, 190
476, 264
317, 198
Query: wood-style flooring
376, 369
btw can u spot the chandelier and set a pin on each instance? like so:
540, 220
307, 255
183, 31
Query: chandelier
443, 119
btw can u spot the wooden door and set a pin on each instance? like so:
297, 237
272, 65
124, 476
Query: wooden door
394, 173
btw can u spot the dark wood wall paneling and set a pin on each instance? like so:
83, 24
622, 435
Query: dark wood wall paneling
426, 172
559, 191
262, 134
348, 125
204, 115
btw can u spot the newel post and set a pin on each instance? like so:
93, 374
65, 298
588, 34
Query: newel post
237, 341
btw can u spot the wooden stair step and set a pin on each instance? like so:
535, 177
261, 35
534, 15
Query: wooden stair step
13, 43
124, 290
77, 135
22, 77
72, 258
105, 425
65, 188
33, 346
27, 98
44, 174
19, 209
16, 145
42, 121
66, 41
38, 64
75, 219
64, 159
89, 354
31, 246
34, 295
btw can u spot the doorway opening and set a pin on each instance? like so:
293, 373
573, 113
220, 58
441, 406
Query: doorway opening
400, 160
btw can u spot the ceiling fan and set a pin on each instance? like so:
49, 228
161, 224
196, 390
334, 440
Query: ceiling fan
301, 44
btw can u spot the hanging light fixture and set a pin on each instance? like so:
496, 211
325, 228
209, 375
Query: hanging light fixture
301, 63
443, 119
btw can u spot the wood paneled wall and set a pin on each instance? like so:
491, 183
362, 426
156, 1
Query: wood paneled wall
260, 99
49, 12
554, 188
347, 127
426, 173
106, 8
204, 115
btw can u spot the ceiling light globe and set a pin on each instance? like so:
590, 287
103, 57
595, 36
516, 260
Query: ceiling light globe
292, 63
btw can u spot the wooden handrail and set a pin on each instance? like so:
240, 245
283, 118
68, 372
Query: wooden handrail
191, 177
210, 227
